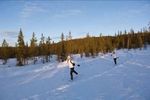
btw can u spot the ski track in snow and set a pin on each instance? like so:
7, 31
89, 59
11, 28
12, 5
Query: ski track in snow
50, 70
98, 75
138, 64
62, 88
38, 73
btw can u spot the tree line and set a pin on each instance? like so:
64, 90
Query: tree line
87, 46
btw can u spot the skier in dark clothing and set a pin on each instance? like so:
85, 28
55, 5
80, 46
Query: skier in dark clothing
71, 65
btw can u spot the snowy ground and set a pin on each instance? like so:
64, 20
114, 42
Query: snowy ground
98, 79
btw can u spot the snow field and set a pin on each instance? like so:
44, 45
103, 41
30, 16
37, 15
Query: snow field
98, 79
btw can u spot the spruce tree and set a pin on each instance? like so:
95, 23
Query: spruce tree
33, 48
42, 48
87, 45
26, 53
5, 51
140, 41
20, 49
48, 49
63, 49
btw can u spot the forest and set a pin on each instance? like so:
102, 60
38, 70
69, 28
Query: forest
89, 46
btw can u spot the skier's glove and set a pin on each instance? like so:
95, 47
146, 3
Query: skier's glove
73, 64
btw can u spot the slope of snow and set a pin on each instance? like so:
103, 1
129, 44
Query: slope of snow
98, 79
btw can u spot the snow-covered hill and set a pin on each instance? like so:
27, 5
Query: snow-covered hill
98, 79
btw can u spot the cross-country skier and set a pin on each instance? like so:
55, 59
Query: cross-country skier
114, 57
71, 65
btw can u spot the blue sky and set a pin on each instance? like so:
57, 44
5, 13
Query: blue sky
52, 17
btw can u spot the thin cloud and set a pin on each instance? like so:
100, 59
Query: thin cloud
143, 9
48, 8
68, 13
9, 34
73, 12
30, 8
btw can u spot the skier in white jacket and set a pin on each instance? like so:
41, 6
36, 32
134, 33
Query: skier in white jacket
71, 65
114, 57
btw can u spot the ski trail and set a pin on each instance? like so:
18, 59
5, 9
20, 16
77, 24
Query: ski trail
140, 65
89, 60
63, 87
59, 89
105, 72
38, 73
